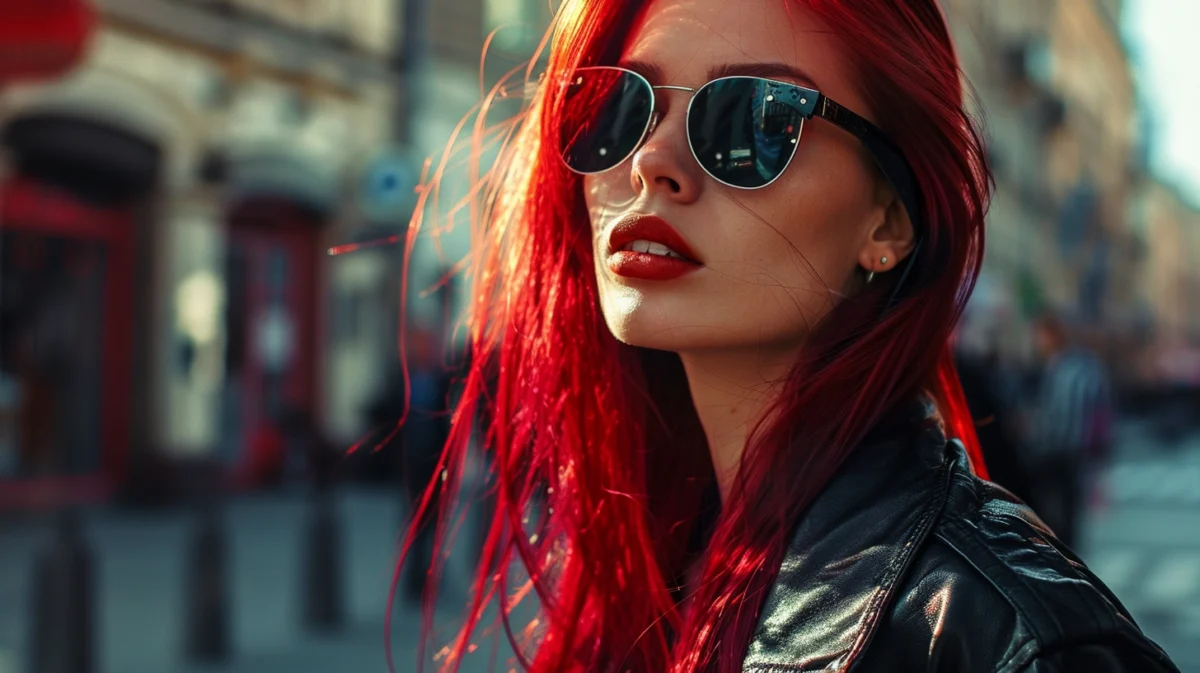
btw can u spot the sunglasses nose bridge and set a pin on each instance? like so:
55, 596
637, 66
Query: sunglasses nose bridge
656, 114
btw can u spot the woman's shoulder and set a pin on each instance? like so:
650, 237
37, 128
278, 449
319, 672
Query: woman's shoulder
994, 590
908, 561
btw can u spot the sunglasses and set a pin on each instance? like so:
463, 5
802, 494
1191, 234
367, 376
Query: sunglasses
743, 131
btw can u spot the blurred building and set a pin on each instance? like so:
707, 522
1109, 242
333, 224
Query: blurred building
450, 70
1172, 283
1053, 83
165, 209
1171, 229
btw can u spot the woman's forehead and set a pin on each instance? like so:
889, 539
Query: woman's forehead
685, 39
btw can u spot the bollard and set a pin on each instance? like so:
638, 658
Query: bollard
322, 572
207, 638
63, 601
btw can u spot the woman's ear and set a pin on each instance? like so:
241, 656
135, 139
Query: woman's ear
891, 238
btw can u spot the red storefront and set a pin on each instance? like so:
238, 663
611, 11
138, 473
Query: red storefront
78, 241
66, 258
65, 342
271, 322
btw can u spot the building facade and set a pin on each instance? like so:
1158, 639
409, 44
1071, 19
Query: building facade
165, 212
1171, 284
1053, 86
167, 207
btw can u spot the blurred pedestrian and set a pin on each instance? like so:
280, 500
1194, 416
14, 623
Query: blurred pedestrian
422, 437
995, 422
986, 386
1072, 425
309, 453
262, 466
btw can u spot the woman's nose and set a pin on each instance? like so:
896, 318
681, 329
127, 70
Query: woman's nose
664, 161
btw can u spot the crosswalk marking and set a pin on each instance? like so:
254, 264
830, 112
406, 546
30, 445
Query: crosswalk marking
1156, 483
1176, 580
1116, 567
1149, 575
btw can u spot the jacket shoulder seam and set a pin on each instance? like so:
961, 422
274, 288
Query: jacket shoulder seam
983, 559
953, 536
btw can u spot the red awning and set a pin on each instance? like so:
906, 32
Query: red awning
41, 39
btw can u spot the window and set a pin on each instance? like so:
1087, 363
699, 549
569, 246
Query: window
52, 318
369, 25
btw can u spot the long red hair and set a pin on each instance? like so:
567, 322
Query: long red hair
608, 431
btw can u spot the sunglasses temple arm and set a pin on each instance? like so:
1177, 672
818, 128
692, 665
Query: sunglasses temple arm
890, 162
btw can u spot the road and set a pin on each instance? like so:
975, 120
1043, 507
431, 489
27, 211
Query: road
1143, 540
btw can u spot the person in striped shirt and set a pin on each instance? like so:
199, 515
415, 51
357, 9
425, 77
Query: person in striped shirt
1072, 425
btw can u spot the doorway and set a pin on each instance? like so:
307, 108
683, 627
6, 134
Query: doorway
271, 350
65, 338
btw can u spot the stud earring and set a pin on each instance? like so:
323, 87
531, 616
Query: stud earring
883, 261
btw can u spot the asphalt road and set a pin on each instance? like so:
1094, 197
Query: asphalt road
1144, 539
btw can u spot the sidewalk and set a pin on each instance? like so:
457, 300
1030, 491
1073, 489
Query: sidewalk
358, 649
141, 578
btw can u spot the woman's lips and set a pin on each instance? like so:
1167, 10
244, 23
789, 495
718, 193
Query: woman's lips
649, 266
637, 227
646, 265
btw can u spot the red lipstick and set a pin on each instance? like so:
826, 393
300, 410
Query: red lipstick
649, 265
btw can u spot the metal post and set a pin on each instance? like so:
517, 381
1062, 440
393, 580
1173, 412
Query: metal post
322, 572
414, 49
63, 601
208, 588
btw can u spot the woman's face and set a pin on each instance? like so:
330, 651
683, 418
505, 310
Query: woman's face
774, 260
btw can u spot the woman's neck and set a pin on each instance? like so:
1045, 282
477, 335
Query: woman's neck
730, 390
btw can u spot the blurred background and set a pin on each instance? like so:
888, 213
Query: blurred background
182, 362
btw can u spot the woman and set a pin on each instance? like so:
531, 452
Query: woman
729, 365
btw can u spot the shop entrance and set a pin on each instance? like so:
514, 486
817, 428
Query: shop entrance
272, 296
65, 330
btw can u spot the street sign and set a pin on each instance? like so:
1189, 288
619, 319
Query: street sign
43, 39
387, 186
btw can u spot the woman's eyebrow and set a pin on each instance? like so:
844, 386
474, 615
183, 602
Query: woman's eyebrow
650, 71
780, 71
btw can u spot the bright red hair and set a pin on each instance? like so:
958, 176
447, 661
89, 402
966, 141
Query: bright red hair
608, 431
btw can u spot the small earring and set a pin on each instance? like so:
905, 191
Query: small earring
883, 261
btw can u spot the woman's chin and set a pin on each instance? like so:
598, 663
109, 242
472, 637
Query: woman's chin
661, 332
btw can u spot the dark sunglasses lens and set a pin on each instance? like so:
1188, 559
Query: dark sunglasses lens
607, 112
744, 130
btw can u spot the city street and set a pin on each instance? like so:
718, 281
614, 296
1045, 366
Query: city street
1143, 539
237, 236
142, 580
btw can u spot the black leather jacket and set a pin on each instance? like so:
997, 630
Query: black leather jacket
909, 562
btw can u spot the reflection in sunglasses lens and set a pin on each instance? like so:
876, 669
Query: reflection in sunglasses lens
607, 112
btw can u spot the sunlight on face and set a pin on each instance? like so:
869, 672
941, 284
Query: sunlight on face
775, 259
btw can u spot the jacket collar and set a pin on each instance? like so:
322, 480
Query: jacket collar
854, 544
